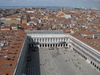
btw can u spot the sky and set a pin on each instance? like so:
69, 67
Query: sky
70, 3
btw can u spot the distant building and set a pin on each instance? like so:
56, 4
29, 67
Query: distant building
61, 14
14, 27
23, 21
95, 35
13, 19
2, 20
30, 11
5, 28
68, 16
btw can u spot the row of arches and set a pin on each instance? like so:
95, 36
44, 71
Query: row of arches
91, 62
52, 45
95, 65
47, 45
46, 40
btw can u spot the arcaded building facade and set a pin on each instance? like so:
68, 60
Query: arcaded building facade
57, 38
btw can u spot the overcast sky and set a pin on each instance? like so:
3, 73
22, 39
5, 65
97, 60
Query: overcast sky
72, 3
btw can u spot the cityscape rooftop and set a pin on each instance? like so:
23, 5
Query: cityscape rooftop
15, 24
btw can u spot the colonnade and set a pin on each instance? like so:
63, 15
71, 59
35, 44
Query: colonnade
62, 40
52, 45
49, 40
48, 45
90, 54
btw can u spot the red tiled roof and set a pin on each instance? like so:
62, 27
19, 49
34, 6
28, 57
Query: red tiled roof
10, 56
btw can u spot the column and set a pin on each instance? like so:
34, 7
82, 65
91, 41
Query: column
53, 45
63, 39
60, 45
44, 40
33, 39
60, 39
42, 45
48, 39
41, 39
38, 45
54, 39
36, 39
47, 45
51, 40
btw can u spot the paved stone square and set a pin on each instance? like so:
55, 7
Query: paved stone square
61, 61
